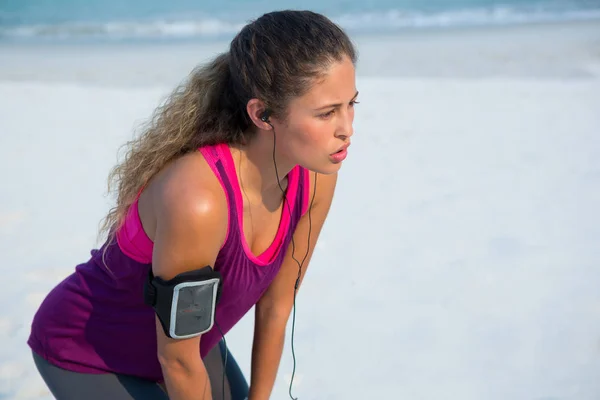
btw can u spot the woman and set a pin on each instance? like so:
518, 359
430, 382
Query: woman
232, 180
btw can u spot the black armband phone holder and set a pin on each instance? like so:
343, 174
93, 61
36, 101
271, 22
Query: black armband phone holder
186, 304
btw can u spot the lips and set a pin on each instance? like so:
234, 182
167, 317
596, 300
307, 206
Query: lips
344, 147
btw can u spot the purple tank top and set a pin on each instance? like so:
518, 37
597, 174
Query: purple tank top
95, 320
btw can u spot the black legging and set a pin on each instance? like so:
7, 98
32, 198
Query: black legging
68, 385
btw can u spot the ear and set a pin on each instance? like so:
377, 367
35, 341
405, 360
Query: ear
257, 111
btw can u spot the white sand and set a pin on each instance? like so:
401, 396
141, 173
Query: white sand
471, 273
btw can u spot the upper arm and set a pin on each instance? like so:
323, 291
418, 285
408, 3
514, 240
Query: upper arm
191, 223
190, 229
278, 299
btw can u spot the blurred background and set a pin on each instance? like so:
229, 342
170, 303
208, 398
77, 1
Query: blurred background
460, 259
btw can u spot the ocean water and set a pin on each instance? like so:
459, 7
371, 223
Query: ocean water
60, 20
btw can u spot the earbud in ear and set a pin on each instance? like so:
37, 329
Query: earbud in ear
265, 116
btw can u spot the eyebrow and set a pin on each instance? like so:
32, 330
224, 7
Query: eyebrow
337, 104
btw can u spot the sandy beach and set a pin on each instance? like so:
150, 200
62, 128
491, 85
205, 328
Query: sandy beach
460, 259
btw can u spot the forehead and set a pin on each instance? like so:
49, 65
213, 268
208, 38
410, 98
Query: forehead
337, 85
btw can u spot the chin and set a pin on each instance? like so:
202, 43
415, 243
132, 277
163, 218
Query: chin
324, 169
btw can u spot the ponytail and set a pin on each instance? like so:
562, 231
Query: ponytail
202, 111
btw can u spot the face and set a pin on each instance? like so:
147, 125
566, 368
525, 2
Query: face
318, 127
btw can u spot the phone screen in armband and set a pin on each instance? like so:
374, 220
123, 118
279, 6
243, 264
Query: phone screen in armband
193, 308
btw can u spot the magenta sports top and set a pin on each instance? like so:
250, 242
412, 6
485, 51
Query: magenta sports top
96, 322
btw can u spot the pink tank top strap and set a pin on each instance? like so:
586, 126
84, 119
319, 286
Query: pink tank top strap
305, 190
212, 155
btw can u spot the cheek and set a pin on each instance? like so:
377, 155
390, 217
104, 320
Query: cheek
310, 133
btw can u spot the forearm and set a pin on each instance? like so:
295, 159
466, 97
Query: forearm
269, 337
189, 382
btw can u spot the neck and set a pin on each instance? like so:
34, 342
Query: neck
256, 166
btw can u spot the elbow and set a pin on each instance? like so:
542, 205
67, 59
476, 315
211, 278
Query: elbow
172, 364
176, 365
273, 314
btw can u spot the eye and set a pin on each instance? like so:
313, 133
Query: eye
327, 114
330, 113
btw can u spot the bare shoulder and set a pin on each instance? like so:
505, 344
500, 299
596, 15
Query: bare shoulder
190, 182
190, 216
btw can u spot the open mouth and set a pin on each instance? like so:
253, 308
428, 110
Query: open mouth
340, 155
342, 149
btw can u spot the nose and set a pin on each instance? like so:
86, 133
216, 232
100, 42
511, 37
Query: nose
345, 129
